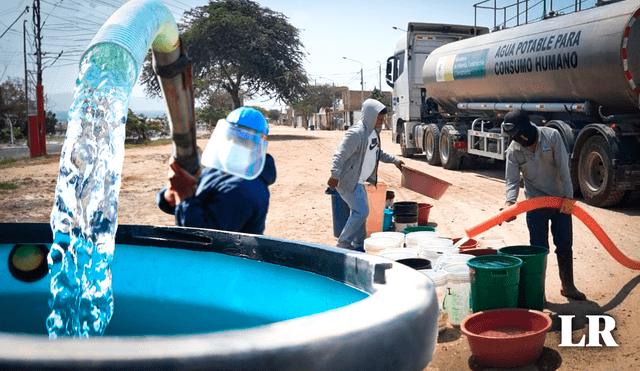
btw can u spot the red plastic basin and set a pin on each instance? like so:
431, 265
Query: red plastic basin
506, 338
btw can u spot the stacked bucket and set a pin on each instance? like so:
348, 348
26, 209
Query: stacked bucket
514, 278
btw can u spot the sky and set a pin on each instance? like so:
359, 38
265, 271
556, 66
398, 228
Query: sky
330, 30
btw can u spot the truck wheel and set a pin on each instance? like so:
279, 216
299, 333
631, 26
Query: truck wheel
432, 144
595, 172
406, 152
449, 156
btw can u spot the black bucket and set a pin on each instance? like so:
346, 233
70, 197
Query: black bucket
416, 263
405, 208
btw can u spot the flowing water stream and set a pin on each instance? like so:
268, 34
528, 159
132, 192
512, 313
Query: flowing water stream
84, 215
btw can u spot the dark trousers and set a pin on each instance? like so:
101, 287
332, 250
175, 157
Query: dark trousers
561, 229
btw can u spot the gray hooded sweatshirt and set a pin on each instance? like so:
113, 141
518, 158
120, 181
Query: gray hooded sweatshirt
349, 156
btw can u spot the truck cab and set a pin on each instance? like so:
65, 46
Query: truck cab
404, 74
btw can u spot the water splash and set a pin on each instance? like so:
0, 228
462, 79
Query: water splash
84, 215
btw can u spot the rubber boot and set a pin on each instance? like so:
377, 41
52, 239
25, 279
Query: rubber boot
565, 268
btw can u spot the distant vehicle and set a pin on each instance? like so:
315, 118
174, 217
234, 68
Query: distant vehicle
576, 73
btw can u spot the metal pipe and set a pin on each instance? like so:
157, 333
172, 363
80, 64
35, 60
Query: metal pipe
174, 72
138, 25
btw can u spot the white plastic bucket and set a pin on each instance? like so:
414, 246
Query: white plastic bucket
373, 245
402, 253
452, 258
440, 280
398, 235
412, 239
433, 248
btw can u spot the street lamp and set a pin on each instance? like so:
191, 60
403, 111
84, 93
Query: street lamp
361, 80
399, 29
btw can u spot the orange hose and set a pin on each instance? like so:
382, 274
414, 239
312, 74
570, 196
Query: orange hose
557, 203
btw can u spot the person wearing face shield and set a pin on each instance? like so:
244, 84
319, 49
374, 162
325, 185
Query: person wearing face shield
355, 162
231, 192
539, 154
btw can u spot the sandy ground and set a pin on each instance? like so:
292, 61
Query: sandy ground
300, 210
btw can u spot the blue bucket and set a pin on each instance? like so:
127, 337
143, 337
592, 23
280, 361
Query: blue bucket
386, 222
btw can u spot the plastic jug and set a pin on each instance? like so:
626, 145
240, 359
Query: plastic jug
439, 279
458, 299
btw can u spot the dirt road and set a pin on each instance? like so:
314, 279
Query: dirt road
300, 210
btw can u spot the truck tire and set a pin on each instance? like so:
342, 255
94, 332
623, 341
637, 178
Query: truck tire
432, 144
404, 151
449, 155
595, 173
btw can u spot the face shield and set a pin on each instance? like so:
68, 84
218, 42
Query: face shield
236, 149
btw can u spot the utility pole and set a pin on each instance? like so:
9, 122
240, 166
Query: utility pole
39, 129
361, 80
26, 86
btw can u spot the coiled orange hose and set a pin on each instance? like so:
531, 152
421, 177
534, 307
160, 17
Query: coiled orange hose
569, 207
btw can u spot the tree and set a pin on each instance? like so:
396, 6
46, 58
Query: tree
274, 114
211, 115
12, 105
241, 47
316, 97
377, 95
139, 128
50, 122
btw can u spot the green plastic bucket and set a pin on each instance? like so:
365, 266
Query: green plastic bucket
420, 228
494, 282
531, 287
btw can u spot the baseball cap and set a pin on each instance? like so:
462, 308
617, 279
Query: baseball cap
238, 144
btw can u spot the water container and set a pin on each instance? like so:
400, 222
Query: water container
376, 196
397, 254
403, 221
398, 235
458, 300
423, 213
413, 239
416, 263
447, 259
373, 245
431, 250
419, 228
439, 279
405, 208
340, 211
388, 220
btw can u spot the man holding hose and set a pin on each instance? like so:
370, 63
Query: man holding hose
540, 155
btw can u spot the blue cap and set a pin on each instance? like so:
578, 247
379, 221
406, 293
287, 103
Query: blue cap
249, 117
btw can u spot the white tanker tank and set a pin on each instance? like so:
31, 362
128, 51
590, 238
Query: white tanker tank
591, 56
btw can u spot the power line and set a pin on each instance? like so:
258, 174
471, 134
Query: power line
26, 10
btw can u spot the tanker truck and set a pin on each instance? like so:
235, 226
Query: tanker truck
576, 73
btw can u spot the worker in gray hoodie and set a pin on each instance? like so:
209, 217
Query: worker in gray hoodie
355, 162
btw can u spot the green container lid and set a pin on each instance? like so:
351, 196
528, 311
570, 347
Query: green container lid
422, 228
494, 262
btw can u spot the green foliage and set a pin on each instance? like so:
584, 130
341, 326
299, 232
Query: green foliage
138, 129
50, 122
273, 114
211, 115
316, 97
7, 161
12, 105
242, 48
377, 95
8, 185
